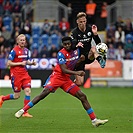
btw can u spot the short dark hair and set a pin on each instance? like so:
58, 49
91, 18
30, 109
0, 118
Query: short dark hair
66, 39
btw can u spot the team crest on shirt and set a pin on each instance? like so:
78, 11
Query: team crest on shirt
29, 83
75, 52
15, 88
89, 33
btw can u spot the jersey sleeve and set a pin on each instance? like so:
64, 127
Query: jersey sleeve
11, 55
97, 39
74, 38
61, 58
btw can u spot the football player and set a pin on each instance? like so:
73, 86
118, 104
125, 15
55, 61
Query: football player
60, 77
20, 79
82, 37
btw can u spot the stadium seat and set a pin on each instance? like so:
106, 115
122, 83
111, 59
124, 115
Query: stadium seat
35, 30
34, 46
55, 40
36, 39
45, 40
28, 37
7, 23
129, 36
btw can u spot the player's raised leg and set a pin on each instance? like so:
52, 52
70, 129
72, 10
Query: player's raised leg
94, 54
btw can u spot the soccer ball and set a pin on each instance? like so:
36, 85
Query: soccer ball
102, 48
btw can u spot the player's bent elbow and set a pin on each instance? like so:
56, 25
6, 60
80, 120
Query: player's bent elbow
10, 63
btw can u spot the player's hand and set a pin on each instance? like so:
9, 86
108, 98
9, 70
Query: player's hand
23, 63
94, 29
82, 58
80, 45
33, 63
80, 73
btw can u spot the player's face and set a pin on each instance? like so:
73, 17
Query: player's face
67, 45
21, 41
81, 22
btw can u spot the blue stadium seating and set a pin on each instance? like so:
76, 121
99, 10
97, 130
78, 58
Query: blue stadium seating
45, 40
34, 46
35, 30
7, 23
28, 37
129, 36
36, 38
21, 1
55, 40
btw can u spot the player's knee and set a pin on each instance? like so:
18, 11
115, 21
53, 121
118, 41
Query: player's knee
27, 91
83, 97
44, 93
79, 84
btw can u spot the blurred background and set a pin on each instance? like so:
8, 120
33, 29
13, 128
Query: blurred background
45, 22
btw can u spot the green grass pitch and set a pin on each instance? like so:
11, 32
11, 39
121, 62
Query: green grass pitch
62, 113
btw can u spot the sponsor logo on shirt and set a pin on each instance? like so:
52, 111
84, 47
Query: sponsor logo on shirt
22, 56
84, 40
73, 58
79, 35
75, 52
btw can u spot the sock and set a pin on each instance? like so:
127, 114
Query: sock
105, 57
28, 106
8, 97
26, 100
91, 114
98, 58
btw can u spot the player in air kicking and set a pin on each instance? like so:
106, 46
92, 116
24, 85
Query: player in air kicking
82, 37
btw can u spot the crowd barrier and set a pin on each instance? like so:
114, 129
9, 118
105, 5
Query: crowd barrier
120, 71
